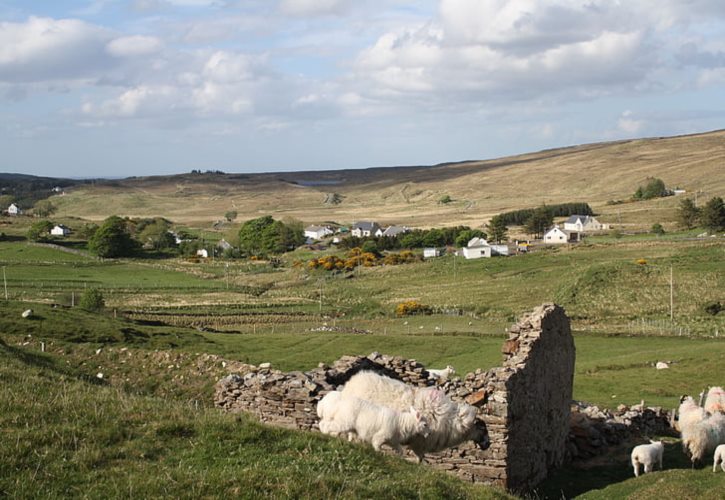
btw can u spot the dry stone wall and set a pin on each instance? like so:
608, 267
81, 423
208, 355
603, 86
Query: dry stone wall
524, 404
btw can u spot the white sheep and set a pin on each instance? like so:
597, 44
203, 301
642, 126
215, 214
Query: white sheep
647, 455
689, 413
373, 423
715, 400
704, 436
326, 409
450, 423
443, 374
719, 458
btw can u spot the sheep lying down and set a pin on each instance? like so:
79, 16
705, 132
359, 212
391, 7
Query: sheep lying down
648, 455
450, 423
370, 422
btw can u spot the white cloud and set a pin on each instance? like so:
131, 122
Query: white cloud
49, 49
629, 124
134, 46
314, 7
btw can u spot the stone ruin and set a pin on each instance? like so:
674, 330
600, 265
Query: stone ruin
524, 404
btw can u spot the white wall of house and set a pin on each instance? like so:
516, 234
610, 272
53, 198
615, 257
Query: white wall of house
429, 253
477, 252
60, 231
555, 236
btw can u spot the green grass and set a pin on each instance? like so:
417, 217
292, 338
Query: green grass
68, 436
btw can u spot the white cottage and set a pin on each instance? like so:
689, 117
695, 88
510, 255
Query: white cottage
13, 209
60, 230
318, 232
391, 231
477, 248
583, 223
432, 252
364, 228
556, 236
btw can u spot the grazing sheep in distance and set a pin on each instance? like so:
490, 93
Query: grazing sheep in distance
373, 423
719, 458
704, 436
443, 374
27, 313
647, 455
450, 423
715, 400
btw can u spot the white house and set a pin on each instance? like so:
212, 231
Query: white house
556, 236
60, 230
364, 228
431, 252
317, 232
583, 223
13, 209
392, 231
202, 252
477, 248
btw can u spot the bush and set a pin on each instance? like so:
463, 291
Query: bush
92, 300
713, 308
658, 229
410, 308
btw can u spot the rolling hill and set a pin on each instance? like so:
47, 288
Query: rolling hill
595, 173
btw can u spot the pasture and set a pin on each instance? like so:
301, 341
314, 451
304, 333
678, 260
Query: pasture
170, 324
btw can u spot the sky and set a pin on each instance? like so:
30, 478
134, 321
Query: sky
109, 88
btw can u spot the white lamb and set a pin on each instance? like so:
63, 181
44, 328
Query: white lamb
689, 413
647, 455
373, 423
450, 423
326, 409
702, 437
715, 400
443, 374
719, 458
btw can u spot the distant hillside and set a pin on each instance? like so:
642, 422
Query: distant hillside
595, 173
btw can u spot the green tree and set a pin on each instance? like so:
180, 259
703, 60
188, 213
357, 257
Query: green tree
687, 213
40, 231
541, 219
92, 300
712, 216
445, 199
230, 215
43, 208
264, 236
156, 235
654, 188
658, 229
113, 239
87, 230
467, 235
497, 229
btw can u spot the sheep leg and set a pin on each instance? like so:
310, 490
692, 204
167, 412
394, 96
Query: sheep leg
377, 442
648, 468
635, 466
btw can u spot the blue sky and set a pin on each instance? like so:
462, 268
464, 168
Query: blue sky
143, 87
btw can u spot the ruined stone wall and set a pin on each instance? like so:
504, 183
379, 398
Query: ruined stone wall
524, 404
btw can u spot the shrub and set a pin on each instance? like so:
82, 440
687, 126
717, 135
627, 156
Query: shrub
92, 300
410, 308
713, 308
658, 229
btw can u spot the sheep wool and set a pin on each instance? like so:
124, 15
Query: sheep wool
648, 455
719, 458
715, 400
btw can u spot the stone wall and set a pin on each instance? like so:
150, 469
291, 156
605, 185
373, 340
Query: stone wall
524, 404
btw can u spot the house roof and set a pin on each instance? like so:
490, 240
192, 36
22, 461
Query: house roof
62, 226
314, 228
477, 242
365, 225
395, 230
574, 218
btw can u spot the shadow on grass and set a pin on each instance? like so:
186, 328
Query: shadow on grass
599, 472
45, 362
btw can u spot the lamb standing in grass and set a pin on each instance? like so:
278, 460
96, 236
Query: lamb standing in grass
647, 455
719, 458
450, 423
715, 400
373, 423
